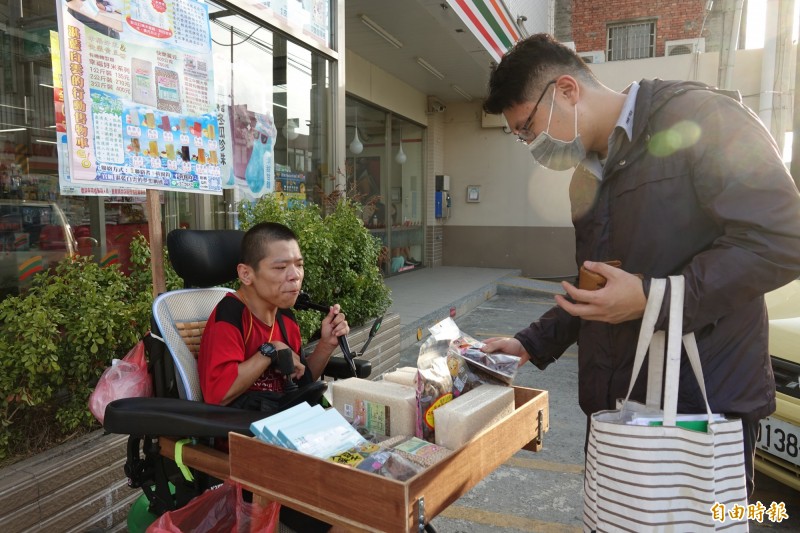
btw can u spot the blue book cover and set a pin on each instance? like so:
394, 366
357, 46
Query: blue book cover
273, 428
258, 428
322, 436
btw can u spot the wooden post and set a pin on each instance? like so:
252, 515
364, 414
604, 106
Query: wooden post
156, 242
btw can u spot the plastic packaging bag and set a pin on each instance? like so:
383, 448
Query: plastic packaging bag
497, 365
219, 510
434, 385
126, 378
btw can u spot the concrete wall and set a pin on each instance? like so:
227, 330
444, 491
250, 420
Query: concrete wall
375, 85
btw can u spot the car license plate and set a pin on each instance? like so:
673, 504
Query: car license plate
780, 439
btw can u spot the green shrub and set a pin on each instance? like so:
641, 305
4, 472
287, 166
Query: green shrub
341, 257
59, 336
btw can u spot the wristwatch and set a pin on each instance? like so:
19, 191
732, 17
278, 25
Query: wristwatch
268, 350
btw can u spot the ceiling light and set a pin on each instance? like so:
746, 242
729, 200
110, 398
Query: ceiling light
462, 92
44, 141
13, 129
377, 28
290, 129
430, 68
401, 155
355, 145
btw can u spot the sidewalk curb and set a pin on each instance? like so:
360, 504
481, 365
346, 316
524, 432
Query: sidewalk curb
510, 284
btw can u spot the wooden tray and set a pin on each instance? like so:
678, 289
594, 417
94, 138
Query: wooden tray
363, 501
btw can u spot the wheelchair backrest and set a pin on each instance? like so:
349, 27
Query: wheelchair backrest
181, 317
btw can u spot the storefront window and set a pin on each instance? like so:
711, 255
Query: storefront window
270, 80
384, 172
256, 72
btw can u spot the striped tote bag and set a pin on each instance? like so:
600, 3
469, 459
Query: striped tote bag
679, 476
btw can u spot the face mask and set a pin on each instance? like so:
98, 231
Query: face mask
556, 154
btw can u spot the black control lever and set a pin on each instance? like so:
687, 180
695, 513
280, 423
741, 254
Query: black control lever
304, 303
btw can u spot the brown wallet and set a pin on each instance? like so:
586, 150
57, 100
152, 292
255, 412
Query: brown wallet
591, 281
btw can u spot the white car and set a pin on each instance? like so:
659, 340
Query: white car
778, 453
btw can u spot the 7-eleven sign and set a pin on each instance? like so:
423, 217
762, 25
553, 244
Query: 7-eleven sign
489, 22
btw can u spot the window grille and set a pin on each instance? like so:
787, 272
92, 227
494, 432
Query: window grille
631, 40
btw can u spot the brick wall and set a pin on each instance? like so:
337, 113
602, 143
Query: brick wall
675, 19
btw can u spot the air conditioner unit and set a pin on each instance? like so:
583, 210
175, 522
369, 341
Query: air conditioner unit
595, 56
493, 121
684, 46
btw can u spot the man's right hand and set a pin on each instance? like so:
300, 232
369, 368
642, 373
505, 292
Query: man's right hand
299, 368
507, 345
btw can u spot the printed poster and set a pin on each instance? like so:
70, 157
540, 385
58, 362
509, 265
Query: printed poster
139, 95
252, 144
64, 178
312, 17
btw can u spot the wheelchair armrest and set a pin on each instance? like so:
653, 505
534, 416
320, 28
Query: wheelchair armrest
337, 368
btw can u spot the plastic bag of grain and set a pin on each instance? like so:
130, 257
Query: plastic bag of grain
469, 414
382, 408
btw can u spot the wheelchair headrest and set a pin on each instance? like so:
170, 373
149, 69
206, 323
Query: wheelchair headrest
204, 258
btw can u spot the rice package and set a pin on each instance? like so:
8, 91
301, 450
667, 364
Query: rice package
469, 414
380, 408
406, 375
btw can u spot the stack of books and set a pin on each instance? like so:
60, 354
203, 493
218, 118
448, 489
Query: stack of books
310, 430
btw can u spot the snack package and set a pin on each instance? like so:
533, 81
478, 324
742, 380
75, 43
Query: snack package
388, 463
418, 451
434, 385
500, 366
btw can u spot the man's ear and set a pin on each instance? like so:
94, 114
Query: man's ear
569, 88
245, 273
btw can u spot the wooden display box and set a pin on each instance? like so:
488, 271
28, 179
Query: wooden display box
363, 501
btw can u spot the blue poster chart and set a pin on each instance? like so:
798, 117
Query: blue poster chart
139, 99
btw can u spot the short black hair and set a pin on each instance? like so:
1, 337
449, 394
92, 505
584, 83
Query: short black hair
527, 67
257, 239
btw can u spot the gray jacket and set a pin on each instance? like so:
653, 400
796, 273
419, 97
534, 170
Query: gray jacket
701, 191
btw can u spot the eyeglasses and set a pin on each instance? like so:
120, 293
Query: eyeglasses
524, 135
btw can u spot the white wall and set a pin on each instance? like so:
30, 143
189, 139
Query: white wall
375, 85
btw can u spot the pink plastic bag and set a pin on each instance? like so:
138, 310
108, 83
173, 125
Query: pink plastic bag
219, 510
127, 378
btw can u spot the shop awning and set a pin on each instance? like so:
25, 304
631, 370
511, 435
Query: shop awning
490, 22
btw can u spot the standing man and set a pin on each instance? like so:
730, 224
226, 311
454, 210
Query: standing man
670, 178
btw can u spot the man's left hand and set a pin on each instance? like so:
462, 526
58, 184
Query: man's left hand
334, 325
622, 298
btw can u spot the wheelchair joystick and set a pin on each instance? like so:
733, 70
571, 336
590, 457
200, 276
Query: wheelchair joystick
286, 367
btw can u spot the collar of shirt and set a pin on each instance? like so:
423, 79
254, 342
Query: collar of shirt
624, 125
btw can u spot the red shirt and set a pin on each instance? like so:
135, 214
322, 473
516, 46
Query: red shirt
231, 336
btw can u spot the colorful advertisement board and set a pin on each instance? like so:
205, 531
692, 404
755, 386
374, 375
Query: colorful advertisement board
139, 95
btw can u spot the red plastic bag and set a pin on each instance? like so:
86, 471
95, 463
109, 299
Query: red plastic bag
126, 378
219, 510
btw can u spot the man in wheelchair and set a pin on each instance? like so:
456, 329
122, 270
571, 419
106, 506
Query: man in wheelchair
251, 334
240, 370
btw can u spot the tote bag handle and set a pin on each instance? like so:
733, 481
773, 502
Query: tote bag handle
649, 338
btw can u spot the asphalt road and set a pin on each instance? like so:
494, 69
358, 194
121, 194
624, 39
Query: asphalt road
543, 492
